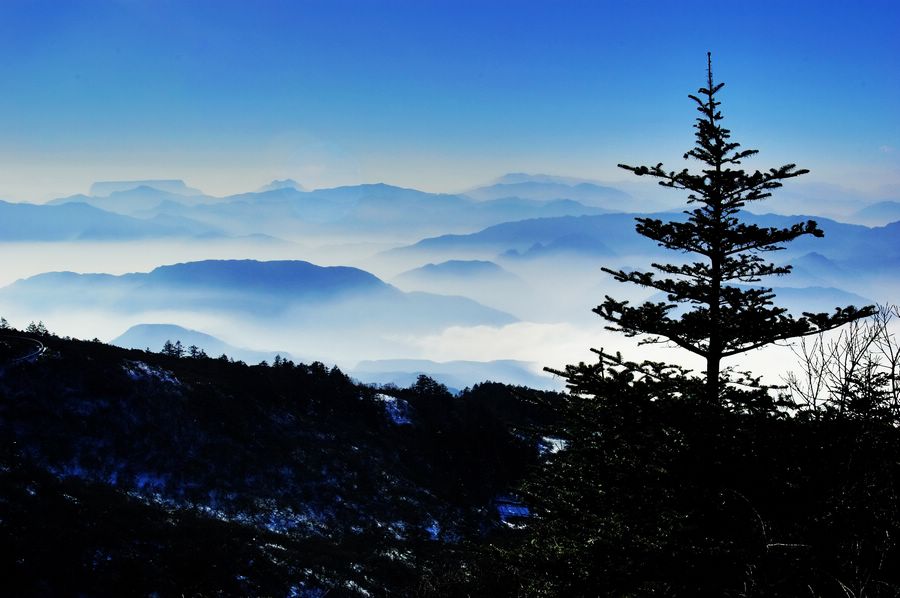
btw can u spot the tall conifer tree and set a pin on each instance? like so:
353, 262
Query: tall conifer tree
723, 320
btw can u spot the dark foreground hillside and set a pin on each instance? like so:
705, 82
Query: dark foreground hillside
674, 498
134, 473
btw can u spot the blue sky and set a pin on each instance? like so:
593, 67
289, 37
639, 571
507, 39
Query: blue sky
434, 95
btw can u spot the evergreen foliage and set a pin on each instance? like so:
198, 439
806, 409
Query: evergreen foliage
38, 328
171, 349
724, 319
659, 494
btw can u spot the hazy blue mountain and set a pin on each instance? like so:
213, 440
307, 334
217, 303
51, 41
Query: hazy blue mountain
825, 200
865, 250
281, 184
483, 281
607, 197
194, 228
454, 374
284, 292
594, 235
378, 209
385, 206
232, 285
511, 178
279, 212
176, 186
579, 243
136, 201
154, 336
438, 212
465, 270
851, 257
286, 211
879, 214
283, 209
546, 187
81, 222
815, 269
614, 234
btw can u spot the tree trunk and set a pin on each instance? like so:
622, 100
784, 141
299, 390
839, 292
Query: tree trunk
712, 377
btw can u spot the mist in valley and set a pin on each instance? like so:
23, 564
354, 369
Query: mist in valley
453, 282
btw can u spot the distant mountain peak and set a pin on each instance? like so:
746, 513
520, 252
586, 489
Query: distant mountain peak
513, 178
281, 184
177, 186
461, 268
879, 214
543, 187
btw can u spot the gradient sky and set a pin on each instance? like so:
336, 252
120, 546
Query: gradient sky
434, 95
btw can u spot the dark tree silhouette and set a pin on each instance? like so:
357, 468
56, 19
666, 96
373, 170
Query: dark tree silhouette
723, 319
171, 349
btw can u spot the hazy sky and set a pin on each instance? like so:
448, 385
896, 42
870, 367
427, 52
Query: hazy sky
434, 95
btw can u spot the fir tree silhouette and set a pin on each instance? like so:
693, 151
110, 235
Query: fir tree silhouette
723, 319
